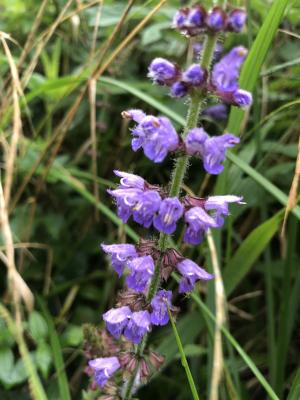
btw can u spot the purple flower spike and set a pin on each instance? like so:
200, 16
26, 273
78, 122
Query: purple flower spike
220, 205
162, 71
194, 75
138, 325
242, 98
195, 140
104, 368
179, 89
215, 152
217, 112
147, 205
116, 320
170, 211
191, 273
236, 20
216, 19
160, 303
130, 180
198, 223
120, 254
142, 269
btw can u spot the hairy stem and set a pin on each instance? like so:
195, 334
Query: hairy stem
178, 174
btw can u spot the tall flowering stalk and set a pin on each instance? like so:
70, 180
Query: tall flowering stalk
124, 362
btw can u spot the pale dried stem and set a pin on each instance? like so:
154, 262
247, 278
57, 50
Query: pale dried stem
217, 364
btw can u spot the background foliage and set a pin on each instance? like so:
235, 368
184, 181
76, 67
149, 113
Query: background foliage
75, 79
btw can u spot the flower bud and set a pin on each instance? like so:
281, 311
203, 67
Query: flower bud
236, 20
216, 19
156, 359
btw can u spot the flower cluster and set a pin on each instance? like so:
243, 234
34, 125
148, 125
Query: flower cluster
222, 81
146, 267
192, 21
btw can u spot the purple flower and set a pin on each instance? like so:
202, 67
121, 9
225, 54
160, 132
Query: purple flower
236, 20
218, 50
162, 71
180, 18
194, 75
136, 115
170, 211
130, 180
225, 73
179, 89
156, 136
195, 141
116, 319
242, 98
120, 254
190, 21
198, 223
191, 273
220, 205
196, 17
215, 152
141, 271
126, 200
147, 204
104, 368
216, 19
160, 303
138, 325
217, 112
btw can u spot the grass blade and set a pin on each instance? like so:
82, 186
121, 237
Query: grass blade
183, 359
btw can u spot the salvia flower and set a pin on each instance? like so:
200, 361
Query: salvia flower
116, 319
169, 212
103, 369
120, 254
194, 75
163, 72
141, 271
156, 136
138, 325
130, 180
179, 89
212, 150
160, 303
145, 208
220, 206
236, 20
198, 222
191, 273
216, 112
216, 19
190, 21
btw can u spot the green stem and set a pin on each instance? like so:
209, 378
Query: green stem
179, 172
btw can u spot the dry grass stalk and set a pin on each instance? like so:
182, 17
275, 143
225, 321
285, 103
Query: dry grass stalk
220, 297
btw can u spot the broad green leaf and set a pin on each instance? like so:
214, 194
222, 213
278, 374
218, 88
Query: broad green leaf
37, 326
43, 356
256, 58
249, 251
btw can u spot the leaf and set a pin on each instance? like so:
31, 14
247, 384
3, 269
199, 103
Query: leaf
256, 58
37, 326
295, 389
249, 251
43, 356
6, 365
72, 336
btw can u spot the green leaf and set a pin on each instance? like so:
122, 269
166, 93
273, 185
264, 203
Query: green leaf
37, 326
43, 357
72, 336
6, 365
255, 59
249, 251
295, 389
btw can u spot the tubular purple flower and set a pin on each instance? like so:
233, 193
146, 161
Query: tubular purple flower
198, 222
116, 319
216, 19
126, 199
130, 180
159, 304
179, 89
194, 75
142, 270
242, 98
104, 368
163, 72
135, 115
196, 18
146, 206
194, 142
169, 212
237, 20
156, 136
120, 254
180, 18
217, 112
138, 325
191, 273
220, 205
215, 152
190, 21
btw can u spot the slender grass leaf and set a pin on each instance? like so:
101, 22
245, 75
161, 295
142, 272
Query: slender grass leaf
256, 57
295, 389
249, 251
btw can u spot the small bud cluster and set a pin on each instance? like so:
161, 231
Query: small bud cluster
144, 303
192, 21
